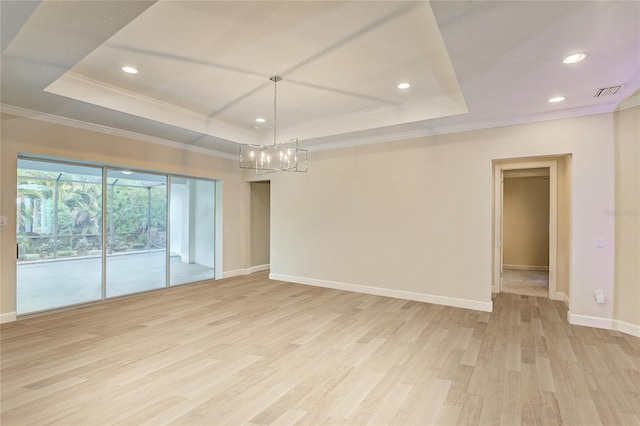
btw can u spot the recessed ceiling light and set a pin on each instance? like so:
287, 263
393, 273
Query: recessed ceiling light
130, 70
403, 86
575, 57
557, 99
260, 120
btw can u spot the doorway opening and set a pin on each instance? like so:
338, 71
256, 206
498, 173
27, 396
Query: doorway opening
527, 247
525, 225
260, 232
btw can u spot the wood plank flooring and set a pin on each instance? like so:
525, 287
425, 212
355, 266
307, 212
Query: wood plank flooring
525, 282
248, 350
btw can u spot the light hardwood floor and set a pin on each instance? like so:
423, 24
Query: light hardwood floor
249, 350
525, 282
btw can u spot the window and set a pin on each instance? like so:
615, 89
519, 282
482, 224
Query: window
67, 257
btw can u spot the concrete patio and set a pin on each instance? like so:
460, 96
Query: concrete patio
53, 284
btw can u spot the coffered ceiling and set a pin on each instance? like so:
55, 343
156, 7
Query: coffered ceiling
204, 66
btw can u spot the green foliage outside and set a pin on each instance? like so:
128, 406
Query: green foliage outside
130, 213
79, 216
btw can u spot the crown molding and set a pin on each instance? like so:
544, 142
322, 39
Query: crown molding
56, 119
347, 142
79, 87
465, 127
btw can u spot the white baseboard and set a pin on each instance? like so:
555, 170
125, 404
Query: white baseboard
8, 317
245, 271
627, 327
260, 268
589, 321
560, 297
563, 298
398, 294
235, 273
605, 323
525, 267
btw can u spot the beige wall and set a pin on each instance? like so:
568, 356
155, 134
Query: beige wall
626, 215
563, 263
260, 222
415, 216
21, 135
412, 216
526, 221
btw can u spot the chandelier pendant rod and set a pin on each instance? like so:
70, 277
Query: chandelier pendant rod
275, 79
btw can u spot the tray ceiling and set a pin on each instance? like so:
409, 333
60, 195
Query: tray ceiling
204, 66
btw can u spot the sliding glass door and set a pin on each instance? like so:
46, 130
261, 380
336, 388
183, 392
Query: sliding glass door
192, 230
59, 235
65, 255
136, 232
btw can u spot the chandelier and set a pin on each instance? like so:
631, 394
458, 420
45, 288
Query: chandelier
283, 157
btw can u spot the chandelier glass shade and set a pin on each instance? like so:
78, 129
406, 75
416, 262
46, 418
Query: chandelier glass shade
279, 157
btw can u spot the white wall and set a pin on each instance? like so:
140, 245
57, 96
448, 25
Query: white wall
414, 217
176, 206
204, 223
187, 223
193, 221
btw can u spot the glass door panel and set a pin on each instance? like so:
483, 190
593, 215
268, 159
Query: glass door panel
136, 232
192, 221
59, 235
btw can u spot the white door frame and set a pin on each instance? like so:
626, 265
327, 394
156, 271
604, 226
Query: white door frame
496, 286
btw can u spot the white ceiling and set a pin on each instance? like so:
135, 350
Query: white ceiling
205, 65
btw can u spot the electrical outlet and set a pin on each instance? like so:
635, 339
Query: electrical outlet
3, 221
599, 242
599, 296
